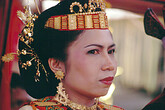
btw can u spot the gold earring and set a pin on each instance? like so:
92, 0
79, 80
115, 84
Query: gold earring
59, 74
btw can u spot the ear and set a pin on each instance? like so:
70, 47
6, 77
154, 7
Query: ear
56, 65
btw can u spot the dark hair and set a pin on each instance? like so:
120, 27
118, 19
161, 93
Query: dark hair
16, 81
48, 43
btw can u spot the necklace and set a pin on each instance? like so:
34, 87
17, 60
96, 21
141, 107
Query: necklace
76, 106
62, 98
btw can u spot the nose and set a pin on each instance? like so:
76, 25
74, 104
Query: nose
109, 63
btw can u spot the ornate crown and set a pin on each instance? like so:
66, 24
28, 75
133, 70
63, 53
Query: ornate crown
89, 16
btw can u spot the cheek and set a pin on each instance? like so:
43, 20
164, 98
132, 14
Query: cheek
79, 73
115, 62
86, 63
81, 66
75, 63
78, 61
115, 65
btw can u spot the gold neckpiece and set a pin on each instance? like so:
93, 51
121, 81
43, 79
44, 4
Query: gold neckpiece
62, 98
76, 106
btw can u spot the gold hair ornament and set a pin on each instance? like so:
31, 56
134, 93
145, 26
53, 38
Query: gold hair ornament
26, 37
8, 57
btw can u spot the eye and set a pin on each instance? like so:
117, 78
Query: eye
95, 51
111, 51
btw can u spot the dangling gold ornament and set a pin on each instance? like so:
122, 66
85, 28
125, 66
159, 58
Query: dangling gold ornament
62, 97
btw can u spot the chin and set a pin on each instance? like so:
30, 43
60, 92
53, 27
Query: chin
102, 92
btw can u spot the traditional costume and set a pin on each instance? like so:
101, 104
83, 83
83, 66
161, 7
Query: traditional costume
72, 15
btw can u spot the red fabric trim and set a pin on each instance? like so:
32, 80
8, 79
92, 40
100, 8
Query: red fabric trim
80, 29
3, 18
118, 107
12, 38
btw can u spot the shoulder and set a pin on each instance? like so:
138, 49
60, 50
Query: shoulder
33, 104
27, 107
109, 107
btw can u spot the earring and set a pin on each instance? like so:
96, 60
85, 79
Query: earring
59, 74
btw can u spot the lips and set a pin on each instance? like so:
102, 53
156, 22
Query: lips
107, 81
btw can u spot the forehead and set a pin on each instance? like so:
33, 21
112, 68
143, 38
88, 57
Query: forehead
95, 36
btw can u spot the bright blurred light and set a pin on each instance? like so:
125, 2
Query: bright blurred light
109, 94
31, 3
111, 29
119, 71
115, 14
48, 3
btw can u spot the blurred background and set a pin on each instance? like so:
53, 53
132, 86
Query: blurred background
140, 75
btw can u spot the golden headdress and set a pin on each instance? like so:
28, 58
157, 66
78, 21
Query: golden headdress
85, 17
78, 15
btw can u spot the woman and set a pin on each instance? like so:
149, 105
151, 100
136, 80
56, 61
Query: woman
71, 51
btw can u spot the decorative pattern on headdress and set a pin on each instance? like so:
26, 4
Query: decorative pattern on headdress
89, 16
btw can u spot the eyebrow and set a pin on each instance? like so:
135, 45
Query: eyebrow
113, 45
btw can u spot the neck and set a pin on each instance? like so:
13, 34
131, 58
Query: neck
78, 98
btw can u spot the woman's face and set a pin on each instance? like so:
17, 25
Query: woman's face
91, 65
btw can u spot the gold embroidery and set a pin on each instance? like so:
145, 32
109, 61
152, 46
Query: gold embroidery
88, 21
80, 19
106, 21
102, 20
45, 103
64, 22
85, 17
57, 22
72, 23
51, 22
96, 21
